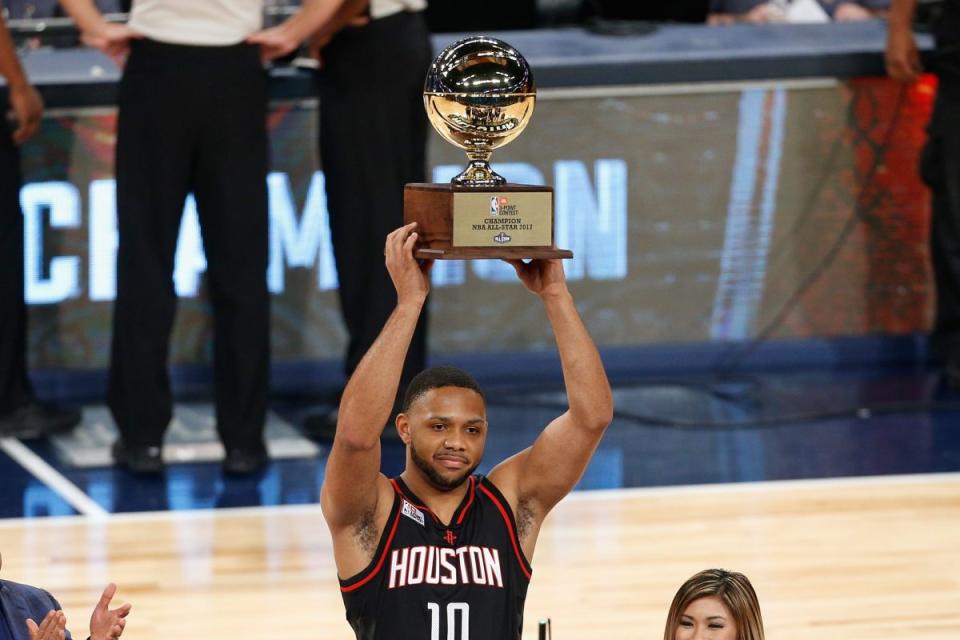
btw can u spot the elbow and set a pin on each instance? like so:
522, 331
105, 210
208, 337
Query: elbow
602, 421
355, 439
602, 413
356, 444
595, 419
607, 417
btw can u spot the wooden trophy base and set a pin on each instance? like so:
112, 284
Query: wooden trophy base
511, 221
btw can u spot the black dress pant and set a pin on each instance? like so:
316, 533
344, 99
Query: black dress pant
940, 169
15, 388
191, 119
373, 132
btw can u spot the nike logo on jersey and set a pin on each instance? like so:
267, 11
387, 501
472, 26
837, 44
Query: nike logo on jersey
412, 512
442, 565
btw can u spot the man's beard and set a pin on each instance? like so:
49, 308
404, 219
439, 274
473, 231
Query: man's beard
434, 477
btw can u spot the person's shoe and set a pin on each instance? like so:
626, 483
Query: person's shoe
38, 419
245, 462
144, 461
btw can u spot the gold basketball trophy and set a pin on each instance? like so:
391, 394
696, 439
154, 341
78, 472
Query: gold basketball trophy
479, 95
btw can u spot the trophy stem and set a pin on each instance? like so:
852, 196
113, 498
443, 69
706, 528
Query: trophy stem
478, 173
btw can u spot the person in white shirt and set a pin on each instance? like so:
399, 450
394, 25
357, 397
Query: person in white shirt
373, 132
192, 119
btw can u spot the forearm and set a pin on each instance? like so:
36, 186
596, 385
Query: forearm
588, 391
10, 67
370, 394
84, 13
311, 16
347, 11
901, 14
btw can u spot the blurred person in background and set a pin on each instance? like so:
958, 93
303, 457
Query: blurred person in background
374, 56
715, 604
31, 613
21, 414
192, 118
939, 162
766, 12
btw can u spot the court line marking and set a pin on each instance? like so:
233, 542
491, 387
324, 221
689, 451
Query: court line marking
56, 481
577, 496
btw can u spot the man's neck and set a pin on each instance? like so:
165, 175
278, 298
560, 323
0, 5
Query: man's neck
442, 503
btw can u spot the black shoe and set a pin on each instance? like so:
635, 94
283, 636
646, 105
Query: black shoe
36, 420
245, 462
144, 461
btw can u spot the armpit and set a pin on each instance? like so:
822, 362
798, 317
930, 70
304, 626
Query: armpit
365, 532
525, 517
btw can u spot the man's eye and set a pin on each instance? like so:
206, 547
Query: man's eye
438, 427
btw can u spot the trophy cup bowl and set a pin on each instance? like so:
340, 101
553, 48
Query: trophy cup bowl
479, 95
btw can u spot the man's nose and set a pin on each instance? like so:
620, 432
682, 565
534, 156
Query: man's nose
453, 441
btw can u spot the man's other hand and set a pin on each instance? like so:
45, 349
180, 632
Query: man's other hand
541, 277
106, 623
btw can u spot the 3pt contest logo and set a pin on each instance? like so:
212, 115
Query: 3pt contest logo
496, 202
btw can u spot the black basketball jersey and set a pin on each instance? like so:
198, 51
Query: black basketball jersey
429, 581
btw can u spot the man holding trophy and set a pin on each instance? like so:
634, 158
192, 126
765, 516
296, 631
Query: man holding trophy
439, 552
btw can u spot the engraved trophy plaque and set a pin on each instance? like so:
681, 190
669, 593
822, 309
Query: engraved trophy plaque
479, 95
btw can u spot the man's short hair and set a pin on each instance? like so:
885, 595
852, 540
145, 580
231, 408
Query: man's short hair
434, 378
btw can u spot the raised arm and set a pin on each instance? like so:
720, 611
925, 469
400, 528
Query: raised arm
537, 478
352, 487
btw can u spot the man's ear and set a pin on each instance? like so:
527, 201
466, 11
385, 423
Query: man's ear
402, 423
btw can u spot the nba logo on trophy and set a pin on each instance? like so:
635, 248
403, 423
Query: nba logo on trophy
495, 202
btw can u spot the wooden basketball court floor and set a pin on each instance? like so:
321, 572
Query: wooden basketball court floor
874, 557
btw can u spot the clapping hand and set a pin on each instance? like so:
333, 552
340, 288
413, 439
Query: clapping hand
106, 623
53, 627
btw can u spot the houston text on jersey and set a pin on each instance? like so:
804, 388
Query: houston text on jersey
428, 564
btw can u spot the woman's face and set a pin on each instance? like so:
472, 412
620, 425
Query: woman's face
706, 618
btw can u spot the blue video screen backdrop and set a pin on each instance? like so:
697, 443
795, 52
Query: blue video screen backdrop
694, 216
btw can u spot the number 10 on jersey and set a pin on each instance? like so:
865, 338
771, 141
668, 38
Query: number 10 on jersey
453, 608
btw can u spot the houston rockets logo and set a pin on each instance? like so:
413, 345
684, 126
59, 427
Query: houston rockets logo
495, 203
